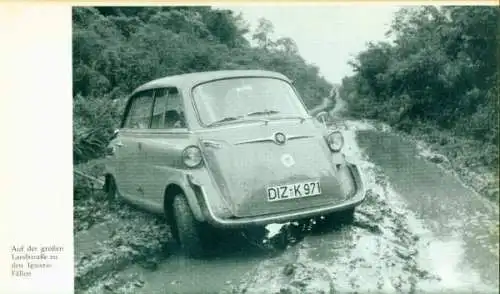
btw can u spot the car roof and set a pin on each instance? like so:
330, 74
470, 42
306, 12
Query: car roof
189, 80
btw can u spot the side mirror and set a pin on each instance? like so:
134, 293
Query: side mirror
322, 117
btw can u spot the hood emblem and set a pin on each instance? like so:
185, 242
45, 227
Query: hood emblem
280, 138
287, 160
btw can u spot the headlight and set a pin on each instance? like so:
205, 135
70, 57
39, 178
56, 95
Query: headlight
335, 141
191, 156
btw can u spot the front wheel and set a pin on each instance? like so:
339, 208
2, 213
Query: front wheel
189, 230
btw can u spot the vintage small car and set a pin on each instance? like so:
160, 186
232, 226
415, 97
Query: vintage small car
228, 149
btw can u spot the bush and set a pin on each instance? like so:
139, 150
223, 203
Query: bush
94, 121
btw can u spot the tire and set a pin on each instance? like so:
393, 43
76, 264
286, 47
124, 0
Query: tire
111, 190
189, 230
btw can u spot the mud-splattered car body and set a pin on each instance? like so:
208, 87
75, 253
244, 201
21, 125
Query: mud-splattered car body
243, 152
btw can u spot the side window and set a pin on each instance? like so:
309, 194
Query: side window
139, 113
158, 119
174, 112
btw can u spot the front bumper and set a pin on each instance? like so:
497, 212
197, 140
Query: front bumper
219, 222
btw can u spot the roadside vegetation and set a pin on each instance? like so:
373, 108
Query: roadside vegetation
115, 49
437, 80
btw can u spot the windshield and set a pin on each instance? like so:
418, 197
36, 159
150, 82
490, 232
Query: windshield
246, 98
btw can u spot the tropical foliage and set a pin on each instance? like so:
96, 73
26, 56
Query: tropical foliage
439, 73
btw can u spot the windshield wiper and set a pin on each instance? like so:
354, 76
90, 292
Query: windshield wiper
267, 112
229, 118
233, 118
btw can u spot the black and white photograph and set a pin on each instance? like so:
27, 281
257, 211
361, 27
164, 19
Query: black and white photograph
285, 148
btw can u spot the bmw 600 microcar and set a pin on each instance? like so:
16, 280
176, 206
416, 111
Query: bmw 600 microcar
228, 149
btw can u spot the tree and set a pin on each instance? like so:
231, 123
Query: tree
262, 34
287, 45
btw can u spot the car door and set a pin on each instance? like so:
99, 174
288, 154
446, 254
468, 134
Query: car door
136, 126
163, 146
152, 181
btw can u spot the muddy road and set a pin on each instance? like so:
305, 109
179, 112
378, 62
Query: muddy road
420, 230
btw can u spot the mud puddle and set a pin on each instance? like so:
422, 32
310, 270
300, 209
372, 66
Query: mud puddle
462, 222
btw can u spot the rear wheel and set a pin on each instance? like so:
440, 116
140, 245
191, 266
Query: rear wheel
189, 230
110, 189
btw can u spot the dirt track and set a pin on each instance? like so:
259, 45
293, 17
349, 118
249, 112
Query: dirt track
420, 230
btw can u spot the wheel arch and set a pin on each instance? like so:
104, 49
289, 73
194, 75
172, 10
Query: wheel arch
174, 189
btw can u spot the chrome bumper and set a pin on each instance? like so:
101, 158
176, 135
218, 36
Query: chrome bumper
219, 222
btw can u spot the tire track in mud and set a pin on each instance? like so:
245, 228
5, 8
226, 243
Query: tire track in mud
385, 250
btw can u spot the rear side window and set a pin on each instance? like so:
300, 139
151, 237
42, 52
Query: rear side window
168, 112
139, 114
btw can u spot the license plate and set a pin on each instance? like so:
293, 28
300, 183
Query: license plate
291, 191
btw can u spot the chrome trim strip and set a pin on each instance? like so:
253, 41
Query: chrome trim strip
289, 216
211, 143
155, 131
255, 141
271, 139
